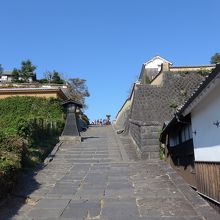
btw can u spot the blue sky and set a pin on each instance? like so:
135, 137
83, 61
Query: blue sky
106, 41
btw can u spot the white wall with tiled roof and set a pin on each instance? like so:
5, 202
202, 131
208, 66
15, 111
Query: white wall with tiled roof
205, 119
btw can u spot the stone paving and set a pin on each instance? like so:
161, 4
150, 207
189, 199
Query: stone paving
102, 178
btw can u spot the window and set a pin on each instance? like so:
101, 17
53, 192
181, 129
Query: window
184, 134
190, 131
174, 139
183, 137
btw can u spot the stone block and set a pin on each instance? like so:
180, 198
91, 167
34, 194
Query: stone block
145, 155
154, 155
52, 203
149, 142
150, 135
120, 209
45, 213
76, 139
151, 148
170, 207
82, 209
149, 129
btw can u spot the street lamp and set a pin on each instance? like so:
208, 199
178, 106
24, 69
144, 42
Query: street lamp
70, 131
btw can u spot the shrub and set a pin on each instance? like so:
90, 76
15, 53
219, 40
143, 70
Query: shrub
29, 128
12, 157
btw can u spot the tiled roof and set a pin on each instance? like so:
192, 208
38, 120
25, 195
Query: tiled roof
158, 102
204, 86
6, 73
157, 57
30, 89
195, 66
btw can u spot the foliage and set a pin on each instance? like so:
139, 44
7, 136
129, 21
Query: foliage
162, 151
29, 128
26, 71
52, 77
1, 69
48, 76
161, 146
183, 92
12, 156
215, 58
15, 75
173, 104
56, 78
13, 143
78, 89
10, 164
9, 161
85, 118
203, 72
37, 120
43, 81
15, 109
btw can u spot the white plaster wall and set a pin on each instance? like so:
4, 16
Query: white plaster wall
3, 78
154, 64
207, 138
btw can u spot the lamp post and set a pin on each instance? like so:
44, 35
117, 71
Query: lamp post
108, 119
70, 131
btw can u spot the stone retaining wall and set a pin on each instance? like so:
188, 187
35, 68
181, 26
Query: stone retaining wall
146, 138
153, 105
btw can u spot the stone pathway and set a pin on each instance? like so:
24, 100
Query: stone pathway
102, 178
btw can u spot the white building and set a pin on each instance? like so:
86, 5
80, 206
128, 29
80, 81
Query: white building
202, 113
6, 76
204, 108
151, 68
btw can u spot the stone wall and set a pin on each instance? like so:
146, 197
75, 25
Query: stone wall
146, 138
135, 131
123, 115
154, 104
158, 103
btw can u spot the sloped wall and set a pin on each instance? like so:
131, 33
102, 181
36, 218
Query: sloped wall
157, 103
122, 116
153, 105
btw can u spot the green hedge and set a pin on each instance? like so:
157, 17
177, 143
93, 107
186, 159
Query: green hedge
16, 109
29, 128
12, 155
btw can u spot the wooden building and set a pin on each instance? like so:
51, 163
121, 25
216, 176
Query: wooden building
192, 138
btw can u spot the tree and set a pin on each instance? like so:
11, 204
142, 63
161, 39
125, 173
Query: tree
27, 70
78, 90
25, 73
215, 58
52, 77
56, 78
48, 76
15, 75
1, 69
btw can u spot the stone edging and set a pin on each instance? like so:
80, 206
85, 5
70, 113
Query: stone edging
199, 204
50, 157
141, 123
121, 147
